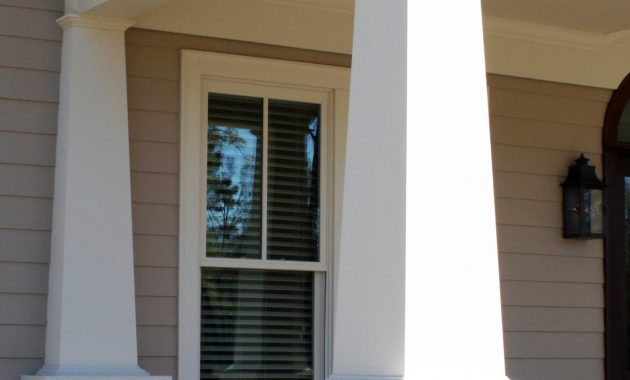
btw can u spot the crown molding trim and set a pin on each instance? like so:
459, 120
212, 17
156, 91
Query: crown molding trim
74, 20
503, 27
310, 4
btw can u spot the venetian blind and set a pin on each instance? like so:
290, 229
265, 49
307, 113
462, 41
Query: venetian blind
256, 324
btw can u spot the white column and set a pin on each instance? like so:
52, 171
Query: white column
453, 315
368, 321
91, 329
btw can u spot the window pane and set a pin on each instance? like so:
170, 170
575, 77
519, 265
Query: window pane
293, 191
623, 133
256, 324
234, 167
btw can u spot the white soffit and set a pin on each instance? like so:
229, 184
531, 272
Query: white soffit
533, 50
324, 25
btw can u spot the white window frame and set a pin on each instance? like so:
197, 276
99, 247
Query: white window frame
203, 72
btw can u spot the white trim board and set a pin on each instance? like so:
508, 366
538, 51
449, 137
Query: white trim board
535, 51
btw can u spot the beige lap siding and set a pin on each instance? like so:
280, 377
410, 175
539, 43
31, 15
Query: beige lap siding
153, 88
30, 50
552, 288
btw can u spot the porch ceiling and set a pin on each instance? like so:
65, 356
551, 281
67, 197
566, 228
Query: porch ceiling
600, 17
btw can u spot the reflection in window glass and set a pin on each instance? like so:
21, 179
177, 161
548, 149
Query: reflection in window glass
293, 190
623, 133
234, 170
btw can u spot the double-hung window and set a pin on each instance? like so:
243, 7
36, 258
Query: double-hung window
256, 221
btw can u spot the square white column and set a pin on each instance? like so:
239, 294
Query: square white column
91, 328
453, 326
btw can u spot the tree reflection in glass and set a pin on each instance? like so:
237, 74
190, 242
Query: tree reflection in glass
234, 170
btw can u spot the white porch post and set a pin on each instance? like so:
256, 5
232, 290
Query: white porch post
91, 329
368, 326
453, 315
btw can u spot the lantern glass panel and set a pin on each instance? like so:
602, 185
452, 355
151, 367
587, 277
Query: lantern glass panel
593, 199
571, 211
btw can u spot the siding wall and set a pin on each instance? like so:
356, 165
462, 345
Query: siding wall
552, 288
30, 51
153, 88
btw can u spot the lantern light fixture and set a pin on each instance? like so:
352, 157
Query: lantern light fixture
583, 202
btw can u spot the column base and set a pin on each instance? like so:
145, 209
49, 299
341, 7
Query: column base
95, 377
53, 372
364, 377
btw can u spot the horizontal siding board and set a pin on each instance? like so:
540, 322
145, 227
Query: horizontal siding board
553, 345
14, 368
552, 319
27, 116
154, 188
527, 186
157, 341
157, 282
159, 366
25, 213
25, 246
551, 268
537, 161
541, 107
529, 293
27, 149
22, 341
27, 181
549, 88
154, 157
178, 41
528, 213
155, 251
545, 241
551, 369
152, 62
156, 311
50, 5
22, 309
28, 22
27, 53
154, 126
152, 219
540, 134
23, 278
19, 84
150, 94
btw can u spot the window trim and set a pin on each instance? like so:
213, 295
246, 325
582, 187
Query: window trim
198, 69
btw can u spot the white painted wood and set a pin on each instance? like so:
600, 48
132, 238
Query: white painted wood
529, 50
369, 300
453, 315
91, 325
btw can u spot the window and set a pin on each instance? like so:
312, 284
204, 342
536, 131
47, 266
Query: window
256, 217
617, 243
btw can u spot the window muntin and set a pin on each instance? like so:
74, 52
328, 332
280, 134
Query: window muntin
283, 217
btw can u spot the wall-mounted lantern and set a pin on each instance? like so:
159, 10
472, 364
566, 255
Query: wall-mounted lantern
583, 202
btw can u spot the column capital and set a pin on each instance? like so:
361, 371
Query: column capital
72, 20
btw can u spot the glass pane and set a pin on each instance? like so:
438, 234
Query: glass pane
627, 258
594, 205
623, 134
256, 324
293, 191
234, 167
